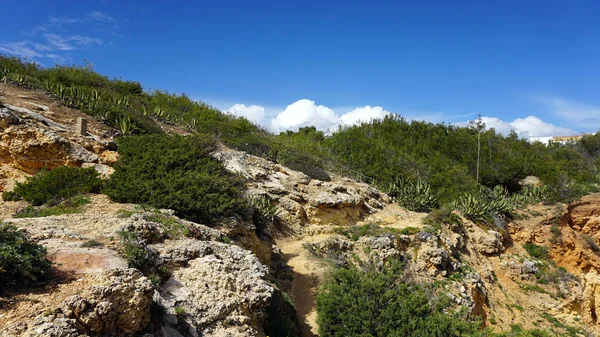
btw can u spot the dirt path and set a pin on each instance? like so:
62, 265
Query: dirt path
308, 271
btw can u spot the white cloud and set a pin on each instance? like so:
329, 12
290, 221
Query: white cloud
48, 41
302, 113
253, 113
305, 112
583, 115
530, 126
58, 42
21, 49
363, 115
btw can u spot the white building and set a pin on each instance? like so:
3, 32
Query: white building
559, 139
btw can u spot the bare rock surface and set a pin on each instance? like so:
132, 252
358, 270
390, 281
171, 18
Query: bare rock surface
300, 200
116, 304
222, 290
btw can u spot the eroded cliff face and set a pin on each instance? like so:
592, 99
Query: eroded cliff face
36, 133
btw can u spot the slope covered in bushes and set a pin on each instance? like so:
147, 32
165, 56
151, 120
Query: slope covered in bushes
440, 158
175, 172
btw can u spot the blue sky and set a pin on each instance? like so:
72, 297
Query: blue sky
532, 66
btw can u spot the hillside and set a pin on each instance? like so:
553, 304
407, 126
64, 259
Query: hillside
207, 225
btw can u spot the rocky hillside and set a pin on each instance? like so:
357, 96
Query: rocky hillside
538, 270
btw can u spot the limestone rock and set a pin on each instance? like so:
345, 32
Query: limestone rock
7, 118
223, 291
118, 304
490, 242
302, 201
30, 148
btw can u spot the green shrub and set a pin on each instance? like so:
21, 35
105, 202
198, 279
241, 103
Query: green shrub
410, 230
53, 186
21, 261
178, 173
354, 303
11, 196
369, 229
142, 258
442, 216
303, 162
180, 312
69, 206
536, 251
281, 318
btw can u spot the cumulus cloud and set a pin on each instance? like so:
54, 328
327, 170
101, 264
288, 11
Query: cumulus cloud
363, 115
530, 126
306, 112
253, 113
302, 113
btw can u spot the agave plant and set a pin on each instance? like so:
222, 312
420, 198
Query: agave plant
159, 112
124, 124
17, 79
413, 196
476, 209
263, 208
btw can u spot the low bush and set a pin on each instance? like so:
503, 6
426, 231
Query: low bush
142, 258
54, 186
178, 173
281, 317
369, 229
69, 206
299, 161
410, 230
355, 303
91, 244
11, 196
442, 216
536, 251
21, 260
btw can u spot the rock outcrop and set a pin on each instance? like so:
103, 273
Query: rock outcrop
222, 291
117, 304
300, 200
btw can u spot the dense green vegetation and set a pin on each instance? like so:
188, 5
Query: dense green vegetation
356, 303
21, 261
434, 163
51, 187
368, 304
175, 172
